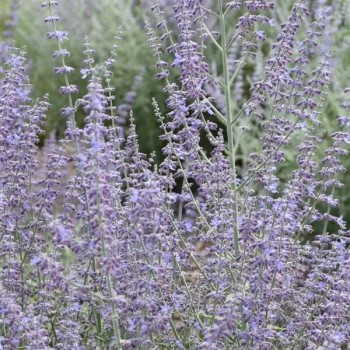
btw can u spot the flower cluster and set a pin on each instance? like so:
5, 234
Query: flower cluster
102, 248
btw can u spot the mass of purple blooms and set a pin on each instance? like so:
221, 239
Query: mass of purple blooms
103, 248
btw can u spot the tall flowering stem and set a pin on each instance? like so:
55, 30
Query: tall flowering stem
64, 70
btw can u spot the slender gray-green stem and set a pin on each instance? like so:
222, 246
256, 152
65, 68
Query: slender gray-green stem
229, 128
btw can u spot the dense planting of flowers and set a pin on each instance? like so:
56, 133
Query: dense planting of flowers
101, 247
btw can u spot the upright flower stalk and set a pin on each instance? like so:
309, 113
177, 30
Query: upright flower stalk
64, 70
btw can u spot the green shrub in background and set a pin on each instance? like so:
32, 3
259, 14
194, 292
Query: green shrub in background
100, 20
4, 12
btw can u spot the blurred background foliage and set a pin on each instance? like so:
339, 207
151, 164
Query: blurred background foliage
101, 20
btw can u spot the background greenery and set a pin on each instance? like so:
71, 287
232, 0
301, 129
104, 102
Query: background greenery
100, 20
